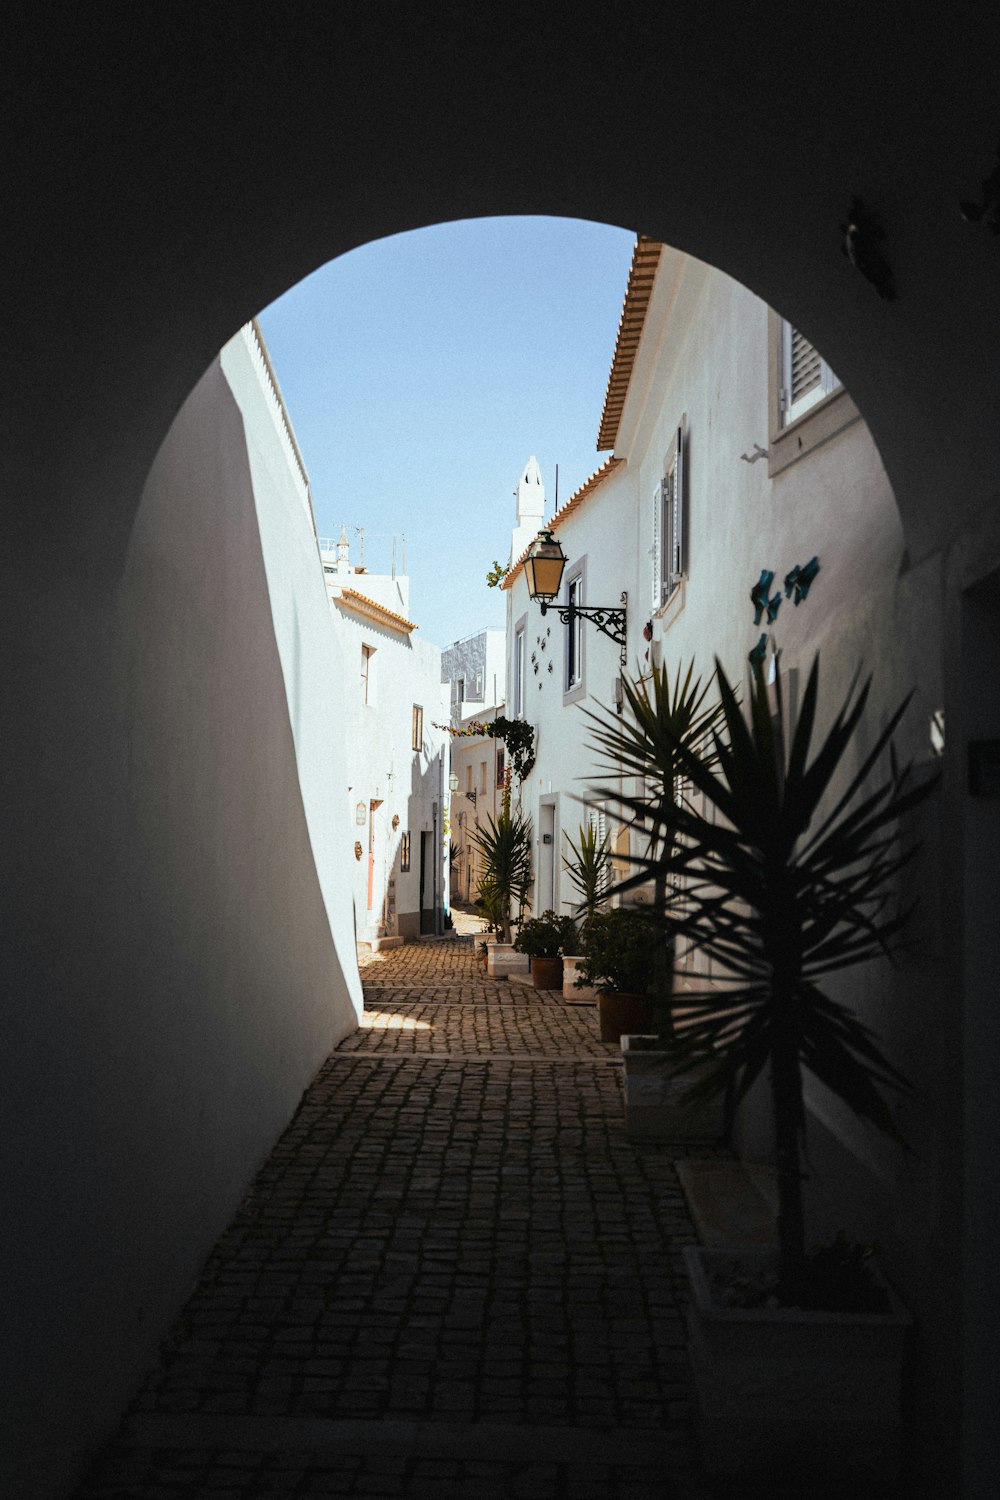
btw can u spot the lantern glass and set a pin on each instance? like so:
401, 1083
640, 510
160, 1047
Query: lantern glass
543, 566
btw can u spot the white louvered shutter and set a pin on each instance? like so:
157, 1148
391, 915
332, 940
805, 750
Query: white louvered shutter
806, 376
656, 570
677, 538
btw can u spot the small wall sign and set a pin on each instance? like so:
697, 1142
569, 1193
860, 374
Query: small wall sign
359, 814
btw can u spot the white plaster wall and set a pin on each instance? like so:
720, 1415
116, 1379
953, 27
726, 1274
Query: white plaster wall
704, 358
473, 753
215, 925
600, 534
381, 764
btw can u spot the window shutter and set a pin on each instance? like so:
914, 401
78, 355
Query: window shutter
677, 559
657, 568
805, 370
805, 375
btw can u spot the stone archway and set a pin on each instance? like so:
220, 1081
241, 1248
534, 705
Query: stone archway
179, 174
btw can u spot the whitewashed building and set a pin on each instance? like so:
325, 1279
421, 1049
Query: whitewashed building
738, 458
474, 670
735, 452
392, 702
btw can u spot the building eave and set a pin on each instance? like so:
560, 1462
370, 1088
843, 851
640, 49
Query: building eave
641, 276
362, 605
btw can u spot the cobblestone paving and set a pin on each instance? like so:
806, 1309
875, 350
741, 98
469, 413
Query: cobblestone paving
454, 1276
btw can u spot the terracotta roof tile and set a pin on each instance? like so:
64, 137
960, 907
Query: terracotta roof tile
642, 274
375, 611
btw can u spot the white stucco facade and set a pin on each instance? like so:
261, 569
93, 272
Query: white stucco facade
394, 791
702, 370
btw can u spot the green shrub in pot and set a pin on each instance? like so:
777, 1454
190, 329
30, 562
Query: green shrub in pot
547, 936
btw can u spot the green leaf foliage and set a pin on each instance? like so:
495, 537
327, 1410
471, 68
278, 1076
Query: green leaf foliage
588, 868
781, 894
625, 951
505, 844
546, 936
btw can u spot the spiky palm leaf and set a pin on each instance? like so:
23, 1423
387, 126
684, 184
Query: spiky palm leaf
505, 845
780, 896
663, 720
588, 869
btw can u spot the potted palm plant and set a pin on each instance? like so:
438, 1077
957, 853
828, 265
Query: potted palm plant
796, 1354
505, 846
543, 940
664, 718
588, 871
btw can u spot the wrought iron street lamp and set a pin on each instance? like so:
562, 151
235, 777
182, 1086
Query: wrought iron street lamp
543, 569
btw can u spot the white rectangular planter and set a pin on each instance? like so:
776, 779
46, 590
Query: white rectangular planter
653, 1108
787, 1393
503, 959
586, 994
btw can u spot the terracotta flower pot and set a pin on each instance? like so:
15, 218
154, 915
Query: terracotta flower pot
622, 1012
547, 973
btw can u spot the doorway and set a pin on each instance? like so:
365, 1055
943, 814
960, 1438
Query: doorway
427, 892
547, 855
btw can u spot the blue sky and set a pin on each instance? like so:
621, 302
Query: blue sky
421, 371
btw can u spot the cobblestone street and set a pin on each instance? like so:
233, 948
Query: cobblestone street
454, 1277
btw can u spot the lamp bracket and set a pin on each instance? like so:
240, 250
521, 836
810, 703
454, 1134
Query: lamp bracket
610, 621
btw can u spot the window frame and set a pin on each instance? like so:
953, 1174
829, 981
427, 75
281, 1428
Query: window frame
574, 664
669, 550
417, 728
795, 432
517, 667
574, 634
367, 674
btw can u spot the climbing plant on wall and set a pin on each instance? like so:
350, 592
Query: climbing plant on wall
517, 735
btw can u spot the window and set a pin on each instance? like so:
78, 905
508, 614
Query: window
500, 766
574, 634
418, 727
597, 822
807, 402
517, 695
468, 779
404, 852
367, 675
460, 689
668, 550
805, 375
482, 776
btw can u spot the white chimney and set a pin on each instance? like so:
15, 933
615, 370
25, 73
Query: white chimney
530, 497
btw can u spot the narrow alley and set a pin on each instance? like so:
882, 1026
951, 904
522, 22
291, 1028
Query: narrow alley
454, 1276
